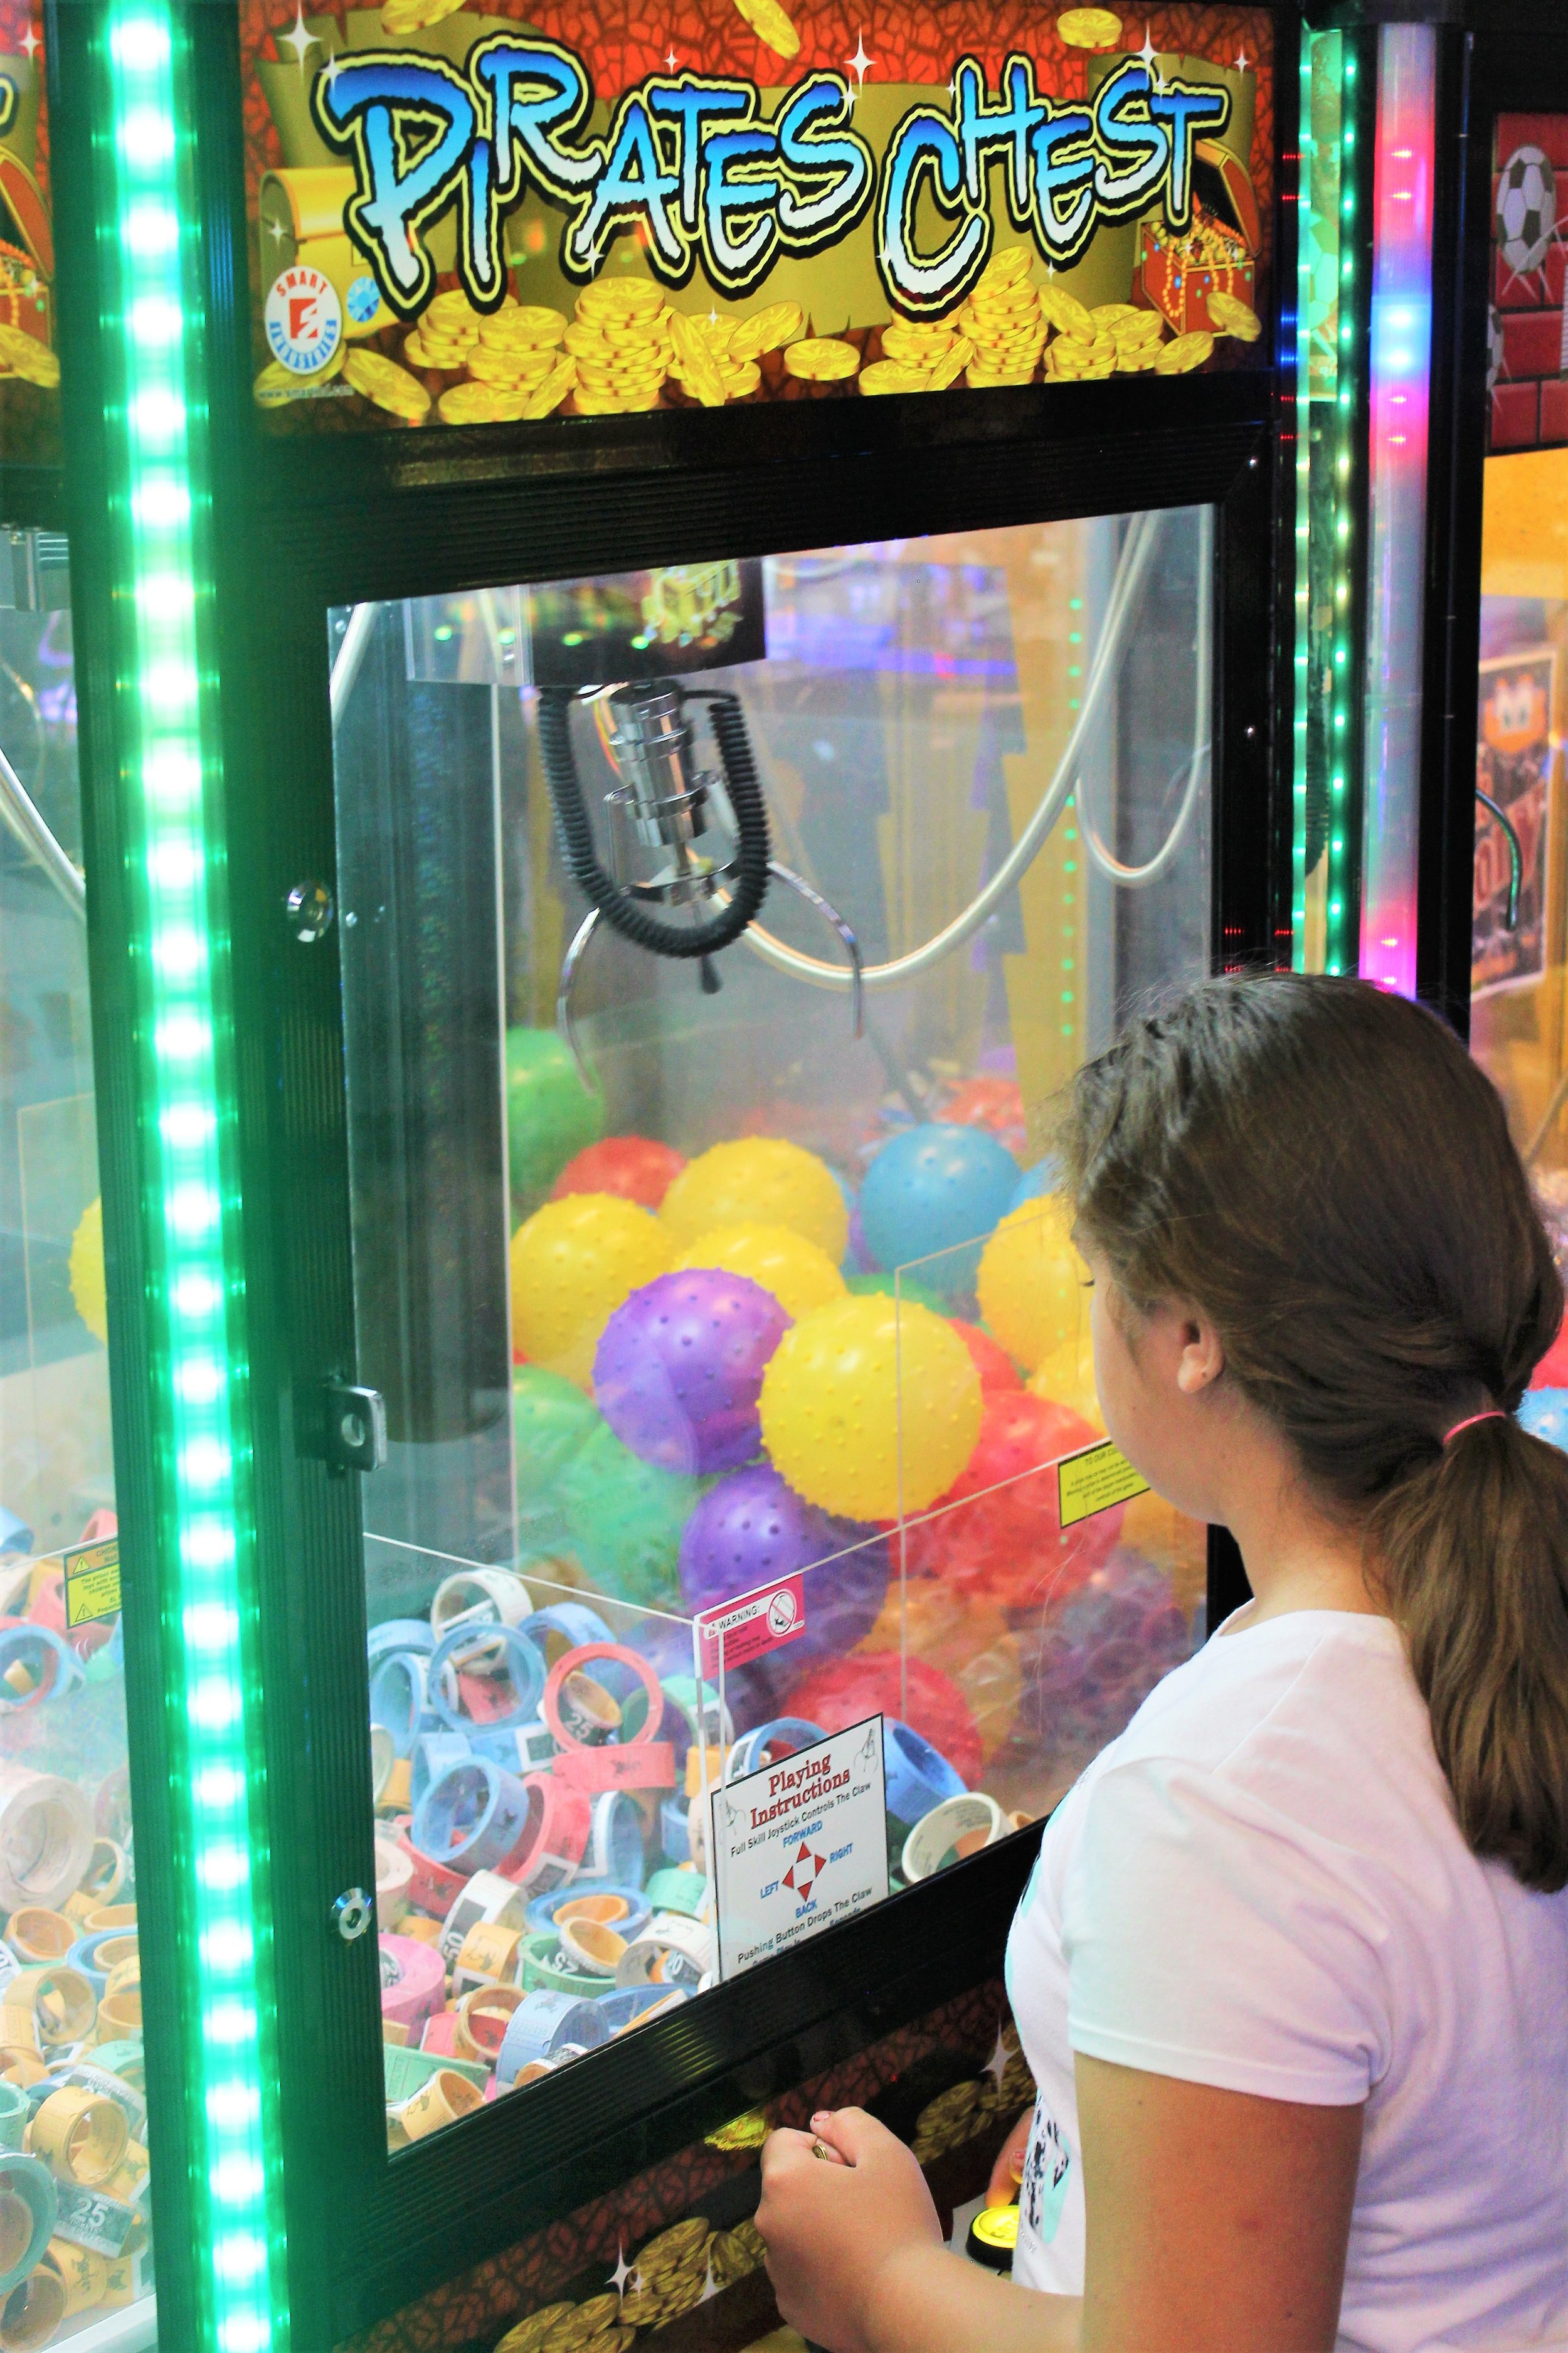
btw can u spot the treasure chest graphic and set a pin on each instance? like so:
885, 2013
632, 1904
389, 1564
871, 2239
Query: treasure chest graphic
1217, 253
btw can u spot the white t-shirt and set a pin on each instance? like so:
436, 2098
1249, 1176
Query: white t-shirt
1262, 1886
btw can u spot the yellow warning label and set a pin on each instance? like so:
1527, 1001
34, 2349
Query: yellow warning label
92, 1583
1095, 1481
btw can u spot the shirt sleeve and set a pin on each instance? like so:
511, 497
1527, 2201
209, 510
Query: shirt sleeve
1209, 1936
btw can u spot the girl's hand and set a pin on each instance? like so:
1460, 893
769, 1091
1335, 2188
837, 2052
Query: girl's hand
1008, 2170
830, 2227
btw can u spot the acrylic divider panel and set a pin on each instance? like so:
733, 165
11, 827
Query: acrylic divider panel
715, 940
75, 2250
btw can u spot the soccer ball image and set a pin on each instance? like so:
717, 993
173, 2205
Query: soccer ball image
1494, 350
1526, 210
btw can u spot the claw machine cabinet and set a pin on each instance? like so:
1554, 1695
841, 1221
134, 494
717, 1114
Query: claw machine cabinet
734, 583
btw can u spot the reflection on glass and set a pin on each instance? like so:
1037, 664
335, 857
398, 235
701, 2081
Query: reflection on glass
74, 2222
714, 942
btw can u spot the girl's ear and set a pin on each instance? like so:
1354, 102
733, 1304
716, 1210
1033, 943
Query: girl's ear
1202, 1359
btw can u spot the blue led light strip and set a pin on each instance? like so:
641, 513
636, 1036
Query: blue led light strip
173, 773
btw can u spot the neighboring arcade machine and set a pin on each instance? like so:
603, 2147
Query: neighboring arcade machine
1513, 548
606, 892
75, 2212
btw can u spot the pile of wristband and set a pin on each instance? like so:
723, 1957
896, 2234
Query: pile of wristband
75, 2208
542, 1796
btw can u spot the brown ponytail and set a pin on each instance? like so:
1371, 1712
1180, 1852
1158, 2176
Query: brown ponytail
1324, 1170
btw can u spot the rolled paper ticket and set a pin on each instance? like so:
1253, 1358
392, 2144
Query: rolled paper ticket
413, 1979
625, 1909
47, 1822
615, 1847
106, 1872
124, 1968
83, 2134
62, 2001
579, 1709
483, 2017
630, 2006
672, 1950
19, 2027
560, 1824
441, 2100
564, 1626
545, 1965
691, 1717
83, 2273
544, 2023
94, 2075
473, 1595
433, 1888
439, 2036
434, 1752
765, 1746
398, 1634
486, 1957
16, 2228
33, 2311
704, 1768
97, 2219
467, 1651
590, 1947
26, 2181
393, 1879
120, 2014
674, 1832
14, 2110
640, 1768
110, 1916
679, 1891
382, 1757
956, 1829
486, 1900
918, 1777
36, 1933
399, 1697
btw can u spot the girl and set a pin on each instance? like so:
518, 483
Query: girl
1292, 1968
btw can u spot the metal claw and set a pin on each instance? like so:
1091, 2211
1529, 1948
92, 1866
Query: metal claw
570, 966
847, 940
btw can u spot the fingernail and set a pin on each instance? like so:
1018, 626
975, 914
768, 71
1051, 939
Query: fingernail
823, 2116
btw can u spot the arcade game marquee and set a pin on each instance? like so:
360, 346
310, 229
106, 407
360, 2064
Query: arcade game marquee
676, 616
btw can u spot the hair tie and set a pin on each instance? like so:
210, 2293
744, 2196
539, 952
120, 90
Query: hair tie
1492, 1413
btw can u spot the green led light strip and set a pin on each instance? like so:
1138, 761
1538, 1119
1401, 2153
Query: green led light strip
1329, 355
1342, 917
1309, 262
199, 1373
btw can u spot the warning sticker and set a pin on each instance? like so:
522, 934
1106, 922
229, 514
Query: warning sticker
92, 1583
1096, 1481
758, 1621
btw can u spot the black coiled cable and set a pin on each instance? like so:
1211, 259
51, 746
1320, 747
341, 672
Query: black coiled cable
747, 887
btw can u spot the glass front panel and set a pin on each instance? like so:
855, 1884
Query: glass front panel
720, 1576
74, 2247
